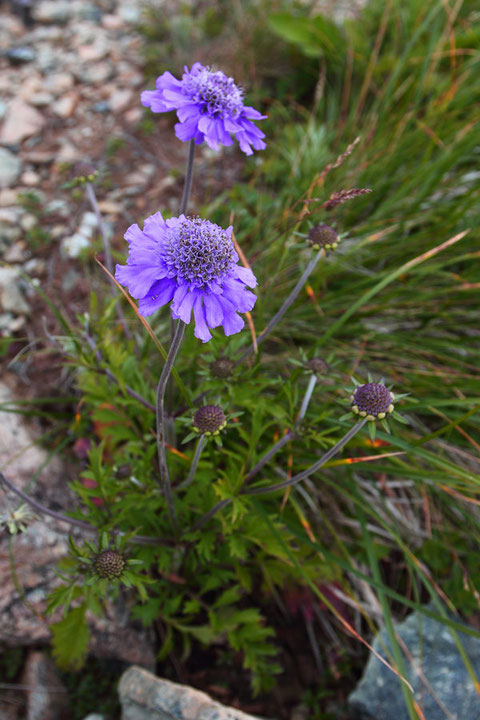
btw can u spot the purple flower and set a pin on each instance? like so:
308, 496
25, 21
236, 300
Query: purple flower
209, 106
193, 263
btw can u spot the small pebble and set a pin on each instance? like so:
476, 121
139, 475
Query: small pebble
20, 55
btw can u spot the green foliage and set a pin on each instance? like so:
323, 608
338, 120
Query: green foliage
94, 687
70, 639
399, 298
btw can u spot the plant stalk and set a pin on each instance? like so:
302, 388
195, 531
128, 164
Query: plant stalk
160, 413
193, 466
313, 468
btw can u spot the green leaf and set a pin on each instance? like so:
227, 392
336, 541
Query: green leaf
70, 638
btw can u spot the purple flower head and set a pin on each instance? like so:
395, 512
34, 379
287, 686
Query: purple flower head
209, 106
193, 263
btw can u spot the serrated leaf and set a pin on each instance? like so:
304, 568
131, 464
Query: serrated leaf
70, 638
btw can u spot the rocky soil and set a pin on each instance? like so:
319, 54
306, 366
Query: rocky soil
71, 73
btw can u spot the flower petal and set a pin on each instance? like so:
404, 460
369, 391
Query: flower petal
183, 309
160, 293
213, 310
186, 130
138, 278
245, 275
242, 299
201, 329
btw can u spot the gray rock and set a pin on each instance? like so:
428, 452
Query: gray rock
101, 106
53, 11
10, 168
94, 716
146, 697
441, 684
21, 122
20, 55
11, 294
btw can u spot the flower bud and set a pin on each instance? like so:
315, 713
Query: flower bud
109, 564
372, 401
323, 236
209, 419
317, 366
222, 368
83, 172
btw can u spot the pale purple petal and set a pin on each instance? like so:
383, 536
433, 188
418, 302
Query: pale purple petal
138, 278
201, 329
245, 275
209, 107
160, 293
213, 310
191, 264
183, 309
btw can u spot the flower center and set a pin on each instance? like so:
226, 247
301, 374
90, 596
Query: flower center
217, 92
199, 252
372, 398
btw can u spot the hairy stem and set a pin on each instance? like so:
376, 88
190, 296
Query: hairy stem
290, 481
288, 302
188, 178
193, 466
313, 468
140, 539
307, 397
160, 412
268, 456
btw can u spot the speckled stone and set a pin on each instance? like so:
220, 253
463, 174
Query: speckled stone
442, 686
146, 697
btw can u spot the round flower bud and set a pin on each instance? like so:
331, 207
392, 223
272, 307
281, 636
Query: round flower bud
83, 172
323, 236
317, 365
109, 564
372, 401
209, 419
222, 368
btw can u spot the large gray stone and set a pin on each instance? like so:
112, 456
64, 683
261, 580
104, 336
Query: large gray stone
146, 697
441, 684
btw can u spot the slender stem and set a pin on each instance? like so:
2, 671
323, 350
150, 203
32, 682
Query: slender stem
193, 466
308, 394
313, 468
106, 250
140, 539
101, 226
188, 178
205, 518
288, 302
268, 456
160, 411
